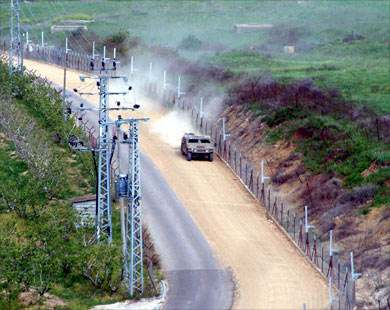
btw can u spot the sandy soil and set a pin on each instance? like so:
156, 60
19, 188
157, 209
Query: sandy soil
270, 272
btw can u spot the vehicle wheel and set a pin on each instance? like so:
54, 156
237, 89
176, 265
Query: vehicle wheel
189, 156
182, 152
211, 156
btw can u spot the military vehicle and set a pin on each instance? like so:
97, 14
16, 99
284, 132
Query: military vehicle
197, 146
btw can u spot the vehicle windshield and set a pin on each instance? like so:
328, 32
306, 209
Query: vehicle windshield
193, 140
204, 141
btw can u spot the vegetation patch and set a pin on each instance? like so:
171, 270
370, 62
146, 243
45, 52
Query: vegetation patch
43, 246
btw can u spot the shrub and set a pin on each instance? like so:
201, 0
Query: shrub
282, 115
190, 42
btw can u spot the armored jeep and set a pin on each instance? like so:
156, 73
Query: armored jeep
197, 146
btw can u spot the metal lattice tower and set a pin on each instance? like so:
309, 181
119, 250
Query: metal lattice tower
103, 220
134, 281
15, 38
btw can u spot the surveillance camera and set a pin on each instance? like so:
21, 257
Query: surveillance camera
75, 90
118, 103
136, 106
130, 88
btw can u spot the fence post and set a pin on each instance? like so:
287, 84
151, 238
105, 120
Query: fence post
281, 213
246, 174
240, 167
295, 215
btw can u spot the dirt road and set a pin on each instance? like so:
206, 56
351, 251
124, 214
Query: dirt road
270, 272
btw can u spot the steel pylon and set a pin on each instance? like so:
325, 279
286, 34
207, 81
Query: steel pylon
15, 38
103, 219
134, 279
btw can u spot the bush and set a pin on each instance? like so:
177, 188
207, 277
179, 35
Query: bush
190, 42
282, 115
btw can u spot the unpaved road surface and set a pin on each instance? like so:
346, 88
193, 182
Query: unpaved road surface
270, 273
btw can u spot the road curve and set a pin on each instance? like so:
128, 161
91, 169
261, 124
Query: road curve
195, 278
270, 272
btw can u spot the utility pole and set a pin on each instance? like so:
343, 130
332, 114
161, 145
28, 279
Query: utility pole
129, 185
134, 256
64, 96
130, 188
103, 224
15, 38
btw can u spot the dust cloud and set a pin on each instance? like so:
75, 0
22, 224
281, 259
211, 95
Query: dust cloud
171, 127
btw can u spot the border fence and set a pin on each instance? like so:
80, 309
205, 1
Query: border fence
340, 273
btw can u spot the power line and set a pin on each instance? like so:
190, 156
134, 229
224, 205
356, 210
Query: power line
81, 33
61, 18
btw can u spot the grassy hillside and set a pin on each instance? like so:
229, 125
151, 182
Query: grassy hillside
315, 28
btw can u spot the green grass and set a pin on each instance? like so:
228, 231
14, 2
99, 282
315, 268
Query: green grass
343, 151
360, 69
316, 29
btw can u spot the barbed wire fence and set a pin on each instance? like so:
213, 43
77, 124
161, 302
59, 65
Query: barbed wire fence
337, 271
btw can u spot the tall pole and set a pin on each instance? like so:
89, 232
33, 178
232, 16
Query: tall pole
134, 257
63, 96
104, 221
15, 37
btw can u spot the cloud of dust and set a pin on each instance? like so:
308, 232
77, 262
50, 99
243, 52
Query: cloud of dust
171, 127
173, 124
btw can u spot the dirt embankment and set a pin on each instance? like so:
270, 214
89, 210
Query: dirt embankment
330, 205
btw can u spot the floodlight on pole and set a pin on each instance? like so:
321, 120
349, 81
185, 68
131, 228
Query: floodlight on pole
132, 68
307, 227
263, 178
66, 46
354, 275
179, 92
331, 249
165, 80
